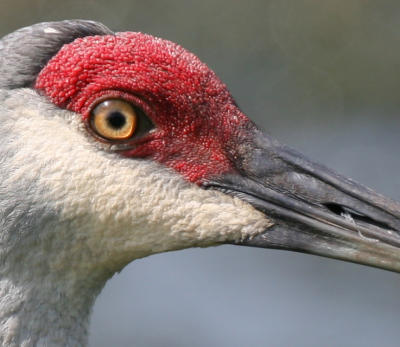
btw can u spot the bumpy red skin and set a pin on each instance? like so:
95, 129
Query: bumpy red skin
197, 121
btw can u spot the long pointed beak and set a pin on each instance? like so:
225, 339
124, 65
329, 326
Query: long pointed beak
314, 210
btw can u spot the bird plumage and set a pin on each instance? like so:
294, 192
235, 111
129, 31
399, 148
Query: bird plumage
73, 213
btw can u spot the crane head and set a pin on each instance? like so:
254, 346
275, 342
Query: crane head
116, 146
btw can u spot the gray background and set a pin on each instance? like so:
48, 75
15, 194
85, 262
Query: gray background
322, 76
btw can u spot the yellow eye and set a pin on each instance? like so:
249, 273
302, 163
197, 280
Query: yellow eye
114, 119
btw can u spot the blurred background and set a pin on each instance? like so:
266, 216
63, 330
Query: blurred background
321, 76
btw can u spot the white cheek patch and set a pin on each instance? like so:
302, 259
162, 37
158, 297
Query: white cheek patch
118, 208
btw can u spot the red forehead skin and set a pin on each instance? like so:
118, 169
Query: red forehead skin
197, 121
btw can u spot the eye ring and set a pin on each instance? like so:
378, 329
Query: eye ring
117, 120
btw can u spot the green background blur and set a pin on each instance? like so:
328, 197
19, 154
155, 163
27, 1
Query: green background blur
321, 76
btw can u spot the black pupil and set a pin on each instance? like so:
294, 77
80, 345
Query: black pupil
116, 120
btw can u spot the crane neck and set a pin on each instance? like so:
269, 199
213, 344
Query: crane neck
45, 310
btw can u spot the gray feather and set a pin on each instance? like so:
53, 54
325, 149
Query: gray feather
26, 51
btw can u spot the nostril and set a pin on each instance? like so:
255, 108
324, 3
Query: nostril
335, 208
357, 216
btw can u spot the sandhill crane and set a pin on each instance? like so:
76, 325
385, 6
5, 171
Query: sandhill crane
116, 146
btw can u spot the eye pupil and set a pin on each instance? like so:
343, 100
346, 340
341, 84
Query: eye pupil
116, 120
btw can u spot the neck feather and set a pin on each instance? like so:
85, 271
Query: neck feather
45, 310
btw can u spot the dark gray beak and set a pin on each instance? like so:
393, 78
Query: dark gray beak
314, 210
